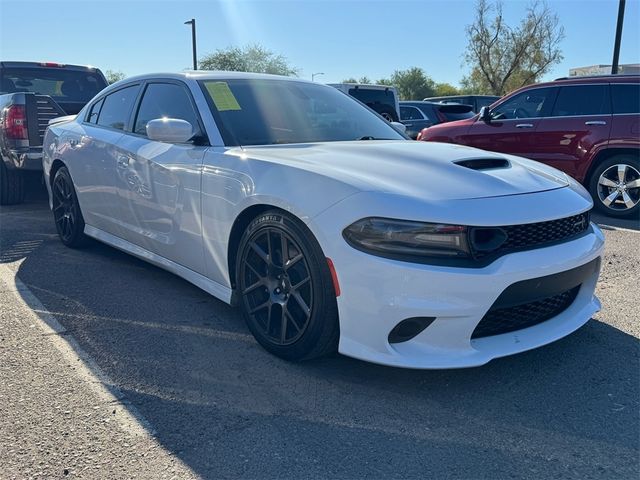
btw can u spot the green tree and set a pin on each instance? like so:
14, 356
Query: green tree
502, 57
445, 89
365, 80
250, 58
412, 84
114, 76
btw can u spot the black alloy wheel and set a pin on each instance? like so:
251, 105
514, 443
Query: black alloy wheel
66, 210
285, 288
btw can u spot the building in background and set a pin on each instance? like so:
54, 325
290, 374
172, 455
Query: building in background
628, 69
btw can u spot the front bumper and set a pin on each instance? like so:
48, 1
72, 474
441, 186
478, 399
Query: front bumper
378, 293
23, 158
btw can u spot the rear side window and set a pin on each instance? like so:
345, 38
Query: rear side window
410, 113
95, 111
117, 107
582, 100
626, 98
371, 97
164, 100
429, 113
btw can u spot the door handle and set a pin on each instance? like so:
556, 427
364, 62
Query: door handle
595, 122
123, 162
524, 125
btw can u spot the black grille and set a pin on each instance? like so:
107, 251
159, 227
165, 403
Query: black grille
504, 320
526, 236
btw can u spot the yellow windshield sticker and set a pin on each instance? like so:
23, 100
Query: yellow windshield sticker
222, 96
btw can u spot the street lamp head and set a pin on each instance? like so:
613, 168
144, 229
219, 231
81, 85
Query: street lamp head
190, 22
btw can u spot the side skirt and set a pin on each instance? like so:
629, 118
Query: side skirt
213, 288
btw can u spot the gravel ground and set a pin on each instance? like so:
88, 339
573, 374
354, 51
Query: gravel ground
194, 395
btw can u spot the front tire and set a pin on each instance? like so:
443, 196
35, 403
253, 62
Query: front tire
66, 210
285, 288
11, 185
615, 186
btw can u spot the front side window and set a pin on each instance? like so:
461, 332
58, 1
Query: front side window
265, 112
117, 107
626, 98
484, 102
164, 100
528, 104
410, 113
576, 100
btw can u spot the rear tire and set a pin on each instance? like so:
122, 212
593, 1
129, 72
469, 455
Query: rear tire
389, 114
615, 186
66, 211
285, 288
11, 185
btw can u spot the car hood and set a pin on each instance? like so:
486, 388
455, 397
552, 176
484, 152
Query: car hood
419, 169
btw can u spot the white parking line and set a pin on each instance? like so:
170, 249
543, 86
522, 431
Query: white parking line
604, 226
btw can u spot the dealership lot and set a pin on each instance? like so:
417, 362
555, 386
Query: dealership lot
193, 394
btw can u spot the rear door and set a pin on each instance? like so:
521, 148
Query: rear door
625, 123
579, 124
158, 183
513, 124
414, 119
93, 148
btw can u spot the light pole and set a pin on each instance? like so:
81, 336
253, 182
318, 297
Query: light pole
192, 22
616, 47
313, 75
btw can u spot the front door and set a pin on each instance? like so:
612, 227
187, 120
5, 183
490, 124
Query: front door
158, 183
513, 123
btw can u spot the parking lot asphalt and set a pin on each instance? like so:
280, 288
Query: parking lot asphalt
194, 394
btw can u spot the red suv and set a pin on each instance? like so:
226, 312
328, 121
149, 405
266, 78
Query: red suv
588, 127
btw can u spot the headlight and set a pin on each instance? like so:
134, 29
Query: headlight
401, 238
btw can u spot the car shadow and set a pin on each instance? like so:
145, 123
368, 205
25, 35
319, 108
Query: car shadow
226, 408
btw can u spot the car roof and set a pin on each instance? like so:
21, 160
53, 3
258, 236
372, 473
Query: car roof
578, 80
618, 78
598, 78
213, 75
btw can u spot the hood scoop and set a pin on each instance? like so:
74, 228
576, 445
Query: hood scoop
484, 163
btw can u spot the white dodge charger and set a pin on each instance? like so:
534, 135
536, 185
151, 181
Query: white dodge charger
325, 225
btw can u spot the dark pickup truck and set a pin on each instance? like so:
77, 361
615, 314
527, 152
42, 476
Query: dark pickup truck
32, 94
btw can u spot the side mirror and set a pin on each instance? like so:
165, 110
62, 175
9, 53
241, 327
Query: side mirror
170, 130
485, 114
401, 127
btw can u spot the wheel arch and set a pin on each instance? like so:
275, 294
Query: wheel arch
604, 155
240, 224
56, 165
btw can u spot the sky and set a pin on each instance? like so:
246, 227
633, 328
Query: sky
340, 38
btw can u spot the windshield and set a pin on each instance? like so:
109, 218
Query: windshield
60, 84
265, 112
